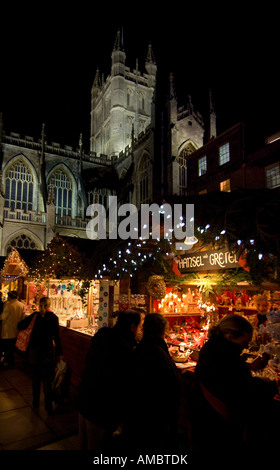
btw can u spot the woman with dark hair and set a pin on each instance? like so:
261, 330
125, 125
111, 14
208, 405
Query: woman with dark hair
227, 397
154, 390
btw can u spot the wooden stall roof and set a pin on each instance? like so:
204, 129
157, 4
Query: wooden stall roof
14, 265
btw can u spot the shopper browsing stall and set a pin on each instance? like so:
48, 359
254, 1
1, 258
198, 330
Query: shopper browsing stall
45, 335
103, 390
230, 404
13, 313
153, 395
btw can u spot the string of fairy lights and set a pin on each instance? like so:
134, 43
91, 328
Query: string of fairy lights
13, 259
125, 259
58, 260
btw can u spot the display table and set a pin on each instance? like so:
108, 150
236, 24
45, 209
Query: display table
75, 346
226, 309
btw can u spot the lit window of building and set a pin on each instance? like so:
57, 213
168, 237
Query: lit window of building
144, 170
62, 188
141, 102
182, 171
224, 154
272, 174
202, 166
100, 196
182, 174
203, 191
19, 187
225, 186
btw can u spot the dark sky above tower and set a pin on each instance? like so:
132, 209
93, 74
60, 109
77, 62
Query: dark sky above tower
49, 59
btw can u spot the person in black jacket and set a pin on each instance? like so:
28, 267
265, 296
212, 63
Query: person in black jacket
228, 400
151, 422
103, 388
40, 351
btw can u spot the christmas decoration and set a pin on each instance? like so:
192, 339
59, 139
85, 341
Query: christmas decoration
59, 260
156, 287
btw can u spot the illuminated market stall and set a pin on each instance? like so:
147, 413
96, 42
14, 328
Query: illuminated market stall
13, 274
205, 286
193, 288
82, 306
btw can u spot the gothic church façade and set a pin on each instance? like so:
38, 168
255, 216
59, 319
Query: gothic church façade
45, 188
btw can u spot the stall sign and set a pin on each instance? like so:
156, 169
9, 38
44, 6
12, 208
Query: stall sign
207, 260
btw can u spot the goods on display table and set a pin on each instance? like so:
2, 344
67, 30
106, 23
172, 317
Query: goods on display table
83, 307
66, 301
131, 301
190, 318
64, 295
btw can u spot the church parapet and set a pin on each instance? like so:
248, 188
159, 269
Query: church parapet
54, 148
67, 221
15, 139
29, 143
40, 218
20, 215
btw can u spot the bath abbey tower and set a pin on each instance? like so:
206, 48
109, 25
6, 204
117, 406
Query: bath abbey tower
45, 188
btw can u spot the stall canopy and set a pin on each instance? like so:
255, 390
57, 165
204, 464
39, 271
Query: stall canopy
14, 266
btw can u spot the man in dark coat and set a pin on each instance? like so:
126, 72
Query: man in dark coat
103, 391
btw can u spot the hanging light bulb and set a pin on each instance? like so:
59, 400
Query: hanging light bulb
190, 240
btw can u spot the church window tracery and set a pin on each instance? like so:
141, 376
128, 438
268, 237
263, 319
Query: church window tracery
144, 170
19, 187
22, 241
63, 191
141, 101
182, 174
182, 160
100, 196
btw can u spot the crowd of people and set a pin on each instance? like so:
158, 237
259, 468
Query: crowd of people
151, 407
132, 397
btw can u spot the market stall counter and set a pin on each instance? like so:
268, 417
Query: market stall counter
75, 346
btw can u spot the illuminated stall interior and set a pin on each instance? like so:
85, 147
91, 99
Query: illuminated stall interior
12, 274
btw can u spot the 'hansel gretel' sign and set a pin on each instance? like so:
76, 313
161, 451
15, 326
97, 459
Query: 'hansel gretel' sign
207, 260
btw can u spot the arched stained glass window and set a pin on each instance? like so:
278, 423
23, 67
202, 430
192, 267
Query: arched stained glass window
100, 196
22, 241
182, 160
63, 190
145, 190
19, 186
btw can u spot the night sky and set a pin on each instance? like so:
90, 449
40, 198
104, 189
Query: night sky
49, 59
